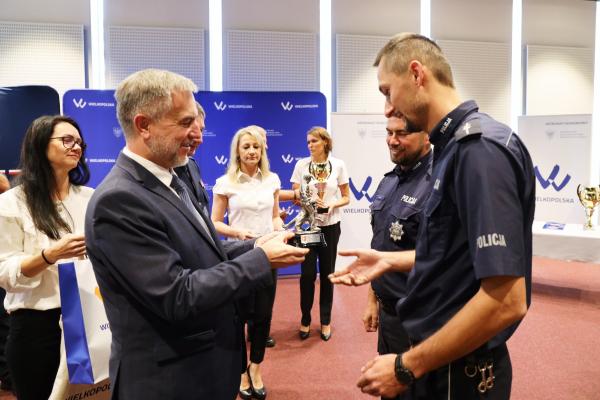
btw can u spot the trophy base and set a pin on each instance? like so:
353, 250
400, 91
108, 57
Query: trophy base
322, 210
308, 239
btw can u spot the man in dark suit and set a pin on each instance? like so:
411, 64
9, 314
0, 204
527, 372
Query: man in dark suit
190, 172
167, 282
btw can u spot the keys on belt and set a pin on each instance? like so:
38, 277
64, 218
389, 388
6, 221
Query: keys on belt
485, 368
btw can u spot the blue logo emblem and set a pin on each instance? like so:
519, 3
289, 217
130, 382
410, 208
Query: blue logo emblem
551, 180
363, 192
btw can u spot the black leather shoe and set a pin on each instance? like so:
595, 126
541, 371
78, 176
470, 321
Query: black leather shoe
304, 335
260, 394
246, 394
270, 342
257, 393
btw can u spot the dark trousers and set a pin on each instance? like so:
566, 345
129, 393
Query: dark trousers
434, 385
258, 312
327, 256
392, 338
33, 352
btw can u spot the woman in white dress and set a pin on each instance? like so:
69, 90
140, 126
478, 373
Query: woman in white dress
42, 222
249, 193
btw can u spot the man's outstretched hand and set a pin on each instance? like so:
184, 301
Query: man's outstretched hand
369, 264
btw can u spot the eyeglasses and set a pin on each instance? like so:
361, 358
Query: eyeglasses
69, 142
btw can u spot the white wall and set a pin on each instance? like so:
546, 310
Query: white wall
157, 13
375, 17
555, 23
468, 20
271, 15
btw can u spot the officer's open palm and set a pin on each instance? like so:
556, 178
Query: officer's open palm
368, 265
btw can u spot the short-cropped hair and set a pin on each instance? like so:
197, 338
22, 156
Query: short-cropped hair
403, 48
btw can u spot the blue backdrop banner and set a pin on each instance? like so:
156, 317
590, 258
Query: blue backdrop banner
19, 106
286, 116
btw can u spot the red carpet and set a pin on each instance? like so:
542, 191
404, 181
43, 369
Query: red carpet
555, 352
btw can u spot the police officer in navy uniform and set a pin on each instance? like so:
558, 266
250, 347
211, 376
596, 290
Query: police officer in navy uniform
470, 276
190, 173
395, 219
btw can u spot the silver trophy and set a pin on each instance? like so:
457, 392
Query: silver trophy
308, 234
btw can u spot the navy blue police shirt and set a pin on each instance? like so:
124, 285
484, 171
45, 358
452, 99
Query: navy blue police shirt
395, 218
476, 222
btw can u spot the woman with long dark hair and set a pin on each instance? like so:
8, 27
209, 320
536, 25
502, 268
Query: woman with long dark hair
42, 221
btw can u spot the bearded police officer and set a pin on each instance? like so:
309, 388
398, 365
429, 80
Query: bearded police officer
470, 283
395, 218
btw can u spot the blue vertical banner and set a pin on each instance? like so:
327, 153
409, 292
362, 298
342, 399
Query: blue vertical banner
95, 112
19, 106
286, 116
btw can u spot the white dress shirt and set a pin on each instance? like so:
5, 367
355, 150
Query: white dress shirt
338, 176
20, 239
250, 200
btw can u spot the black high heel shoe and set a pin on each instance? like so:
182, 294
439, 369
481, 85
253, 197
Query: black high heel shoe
325, 336
304, 334
246, 394
257, 393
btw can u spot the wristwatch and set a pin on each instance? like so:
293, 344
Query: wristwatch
403, 374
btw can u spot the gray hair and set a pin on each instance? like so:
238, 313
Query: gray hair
149, 92
200, 109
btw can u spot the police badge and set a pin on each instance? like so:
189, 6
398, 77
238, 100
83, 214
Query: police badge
396, 231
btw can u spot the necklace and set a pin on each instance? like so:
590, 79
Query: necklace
71, 222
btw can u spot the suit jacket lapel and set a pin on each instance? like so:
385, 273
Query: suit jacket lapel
200, 191
150, 182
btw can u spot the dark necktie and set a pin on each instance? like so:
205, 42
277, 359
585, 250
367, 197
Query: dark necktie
179, 187
194, 187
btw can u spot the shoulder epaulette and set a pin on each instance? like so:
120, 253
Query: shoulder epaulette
469, 130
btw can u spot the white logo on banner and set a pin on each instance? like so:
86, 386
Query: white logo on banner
287, 106
221, 160
287, 158
79, 103
221, 106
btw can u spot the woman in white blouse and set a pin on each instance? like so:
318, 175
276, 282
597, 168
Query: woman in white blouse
335, 194
249, 192
42, 221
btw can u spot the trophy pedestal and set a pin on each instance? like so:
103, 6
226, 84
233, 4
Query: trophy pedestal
309, 239
322, 210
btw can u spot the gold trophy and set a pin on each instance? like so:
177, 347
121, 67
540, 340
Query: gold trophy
589, 196
321, 172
